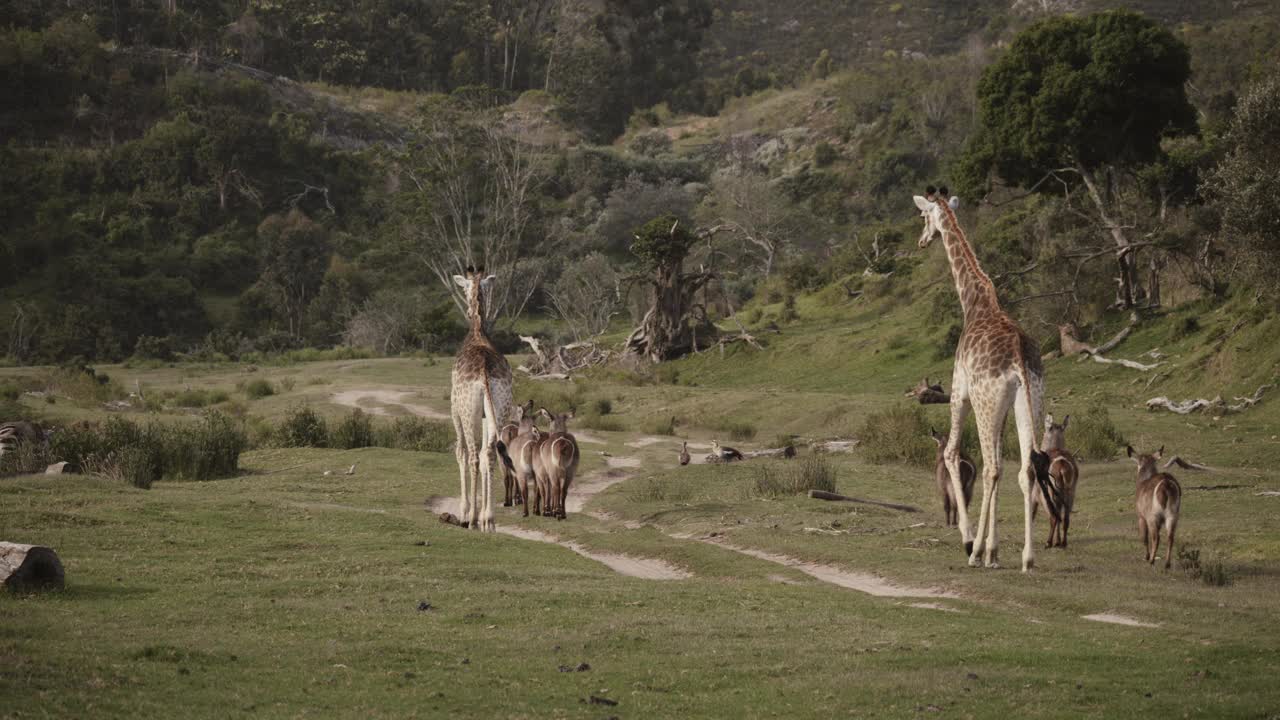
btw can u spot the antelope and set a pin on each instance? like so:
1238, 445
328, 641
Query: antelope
684, 454
557, 462
946, 488
1061, 472
1158, 501
508, 435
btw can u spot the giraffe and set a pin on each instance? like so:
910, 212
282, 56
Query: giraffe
480, 400
997, 367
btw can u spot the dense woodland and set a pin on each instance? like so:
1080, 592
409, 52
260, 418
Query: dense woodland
217, 180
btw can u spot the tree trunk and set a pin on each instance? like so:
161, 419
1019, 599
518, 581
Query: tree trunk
30, 567
1124, 253
665, 332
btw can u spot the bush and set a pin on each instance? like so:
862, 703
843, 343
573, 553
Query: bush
823, 154
1212, 571
1093, 436
415, 433
602, 406
302, 427
140, 455
258, 389
899, 434
196, 398
355, 431
663, 427
774, 479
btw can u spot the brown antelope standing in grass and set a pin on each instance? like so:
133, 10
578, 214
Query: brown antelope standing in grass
508, 435
1062, 474
968, 473
1158, 501
556, 462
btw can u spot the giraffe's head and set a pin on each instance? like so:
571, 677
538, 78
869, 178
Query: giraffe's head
931, 210
476, 287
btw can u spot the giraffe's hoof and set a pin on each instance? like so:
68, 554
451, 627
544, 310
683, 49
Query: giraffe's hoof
975, 561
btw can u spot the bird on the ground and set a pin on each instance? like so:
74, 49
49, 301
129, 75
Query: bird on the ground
724, 453
684, 454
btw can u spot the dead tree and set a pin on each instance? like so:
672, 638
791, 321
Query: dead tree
928, 394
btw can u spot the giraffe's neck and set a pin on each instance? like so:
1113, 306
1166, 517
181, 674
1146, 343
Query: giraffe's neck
475, 314
977, 294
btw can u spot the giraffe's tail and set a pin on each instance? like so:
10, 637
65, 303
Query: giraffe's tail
1039, 461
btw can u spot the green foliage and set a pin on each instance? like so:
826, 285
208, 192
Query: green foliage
899, 434
353, 431
1211, 571
140, 455
824, 154
794, 477
1242, 186
662, 242
1082, 91
1093, 436
198, 398
415, 433
259, 388
302, 427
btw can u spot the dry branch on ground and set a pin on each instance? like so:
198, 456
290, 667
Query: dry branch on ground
1217, 404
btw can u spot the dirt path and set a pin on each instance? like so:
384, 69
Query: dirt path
585, 488
377, 402
1117, 619
862, 582
643, 568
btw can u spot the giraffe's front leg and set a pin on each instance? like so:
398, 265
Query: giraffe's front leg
993, 539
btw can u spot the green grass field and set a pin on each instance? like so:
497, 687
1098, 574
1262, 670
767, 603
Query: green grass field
285, 592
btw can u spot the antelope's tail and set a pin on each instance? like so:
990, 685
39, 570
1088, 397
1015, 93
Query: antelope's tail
1052, 498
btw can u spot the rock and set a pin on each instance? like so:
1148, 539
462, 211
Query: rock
59, 468
582, 667
424, 606
25, 568
597, 700
421, 543
769, 153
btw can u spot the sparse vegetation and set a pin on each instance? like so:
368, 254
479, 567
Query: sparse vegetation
795, 477
899, 434
259, 388
1094, 436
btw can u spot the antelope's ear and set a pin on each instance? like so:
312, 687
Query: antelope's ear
954, 202
519, 412
1160, 452
459, 281
921, 203
1048, 421
547, 413
485, 283
1065, 420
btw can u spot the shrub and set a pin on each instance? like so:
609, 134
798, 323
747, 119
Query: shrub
1212, 571
898, 434
602, 406
354, 431
139, 455
196, 398
259, 388
663, 427
774, 479
1093, 436
735, 429
302, 427
287, 384
824, 154
415, 433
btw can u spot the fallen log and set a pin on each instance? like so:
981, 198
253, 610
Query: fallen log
834, 446
1186, 407
1186, 464
1097, 357
824, 495
929, 394
26, 568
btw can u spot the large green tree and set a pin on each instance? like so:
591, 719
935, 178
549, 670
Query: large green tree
1077, 101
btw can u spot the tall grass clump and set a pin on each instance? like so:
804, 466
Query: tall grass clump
354, 431
302, 427
140, 455
1211, 571
415, 433
1093, 436
259, 388
899, 434
775, 479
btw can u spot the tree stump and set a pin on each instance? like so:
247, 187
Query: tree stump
25, 568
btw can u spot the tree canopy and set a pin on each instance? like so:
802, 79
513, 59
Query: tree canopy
1079, 92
